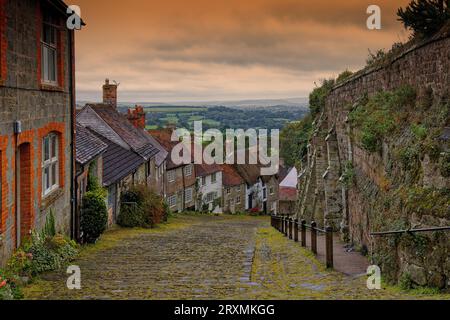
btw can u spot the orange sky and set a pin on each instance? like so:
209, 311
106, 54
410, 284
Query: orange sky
195, 50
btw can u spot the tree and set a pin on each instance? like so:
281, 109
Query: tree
425, 17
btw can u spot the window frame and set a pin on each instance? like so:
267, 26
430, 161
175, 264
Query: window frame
172, 198
188, 191
52, 46
188, 171
170, 174
52, 164
214, 178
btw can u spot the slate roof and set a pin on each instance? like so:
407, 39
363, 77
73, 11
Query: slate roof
137, 139
230, 176
118, 162
87, 145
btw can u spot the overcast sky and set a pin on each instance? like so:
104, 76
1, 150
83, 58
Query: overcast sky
192, 50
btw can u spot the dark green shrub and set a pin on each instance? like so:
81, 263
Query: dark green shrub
405, 282
425, 17
94, 216
140, 207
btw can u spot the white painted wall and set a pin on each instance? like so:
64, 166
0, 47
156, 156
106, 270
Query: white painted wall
209, 187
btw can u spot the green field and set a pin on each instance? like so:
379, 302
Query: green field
174, 109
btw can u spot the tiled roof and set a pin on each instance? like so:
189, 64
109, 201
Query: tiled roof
164, 137
288, 194
202, 170
137, 139
87, 145
249, 172
230, 176
118, 162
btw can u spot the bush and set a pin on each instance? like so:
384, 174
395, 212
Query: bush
425, 17
140, 207
50, 253
94, 215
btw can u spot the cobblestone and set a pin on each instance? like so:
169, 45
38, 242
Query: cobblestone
204, 257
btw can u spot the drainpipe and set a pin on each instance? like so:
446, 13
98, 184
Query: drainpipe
73, 204
17, 131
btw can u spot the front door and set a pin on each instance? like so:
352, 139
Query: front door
23, 190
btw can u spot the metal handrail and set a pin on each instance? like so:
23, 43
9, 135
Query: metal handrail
410, 231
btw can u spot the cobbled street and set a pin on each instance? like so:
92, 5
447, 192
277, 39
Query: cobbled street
205, 257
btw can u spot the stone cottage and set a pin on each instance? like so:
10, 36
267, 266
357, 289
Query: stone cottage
89, 162
180, 180
233, 190
37, 105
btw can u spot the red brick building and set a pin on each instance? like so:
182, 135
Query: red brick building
37, 103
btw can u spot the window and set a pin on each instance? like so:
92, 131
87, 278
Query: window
210, 197
271, 190
239, 189
228, 190
49, 49
172, 201
171, 176
204, 181
214, 178
50, 171
238, 200
265, 193
188, 171
188, 195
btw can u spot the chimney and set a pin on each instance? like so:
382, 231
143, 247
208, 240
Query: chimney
137, 117
110, 93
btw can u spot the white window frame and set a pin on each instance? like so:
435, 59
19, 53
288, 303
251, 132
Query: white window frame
228, 190
210, 197
50, 165
188, 171
171, 176
238, 200
172, 201
189, 192
271, 191
214, 178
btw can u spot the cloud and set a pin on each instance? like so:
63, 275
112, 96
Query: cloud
224, 49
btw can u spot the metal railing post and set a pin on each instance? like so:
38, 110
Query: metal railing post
286, 222
290, 228
314, 237
303, 233
296, 230
329, 246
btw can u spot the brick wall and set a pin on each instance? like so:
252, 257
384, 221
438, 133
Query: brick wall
41, 110
137, 117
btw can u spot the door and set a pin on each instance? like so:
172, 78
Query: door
23, 193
